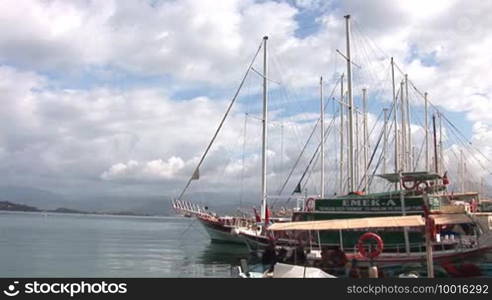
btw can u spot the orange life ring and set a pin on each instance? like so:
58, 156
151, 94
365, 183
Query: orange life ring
310, 203
374, 252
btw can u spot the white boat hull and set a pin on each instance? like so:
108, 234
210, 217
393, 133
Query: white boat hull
220, 233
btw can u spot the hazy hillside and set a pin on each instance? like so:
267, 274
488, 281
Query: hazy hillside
33, 197
154, 205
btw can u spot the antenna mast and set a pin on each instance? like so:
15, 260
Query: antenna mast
264, 133
350, 107
322, 129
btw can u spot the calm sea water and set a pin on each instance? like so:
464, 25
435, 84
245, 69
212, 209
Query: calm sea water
69, 245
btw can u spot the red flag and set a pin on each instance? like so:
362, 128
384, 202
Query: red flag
473, 205
267, 217
445, 179
257, 216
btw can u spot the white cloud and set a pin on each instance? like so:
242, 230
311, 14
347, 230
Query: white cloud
151, 170
141, 133
191, 40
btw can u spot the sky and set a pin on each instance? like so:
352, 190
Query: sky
121, 97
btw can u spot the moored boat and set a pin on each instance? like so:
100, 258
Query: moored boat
466, 236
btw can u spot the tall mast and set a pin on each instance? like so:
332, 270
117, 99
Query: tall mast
441, 155
322, 127
350, 107
395, 117
357, 150
436, 165
400, 172
342, 110
404, 153
385, 138
366, 136
264, 132
426, 134
347, 148
409, 129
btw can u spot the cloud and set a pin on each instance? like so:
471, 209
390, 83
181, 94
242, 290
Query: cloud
152, 170
126, 130
54, 134
191, 40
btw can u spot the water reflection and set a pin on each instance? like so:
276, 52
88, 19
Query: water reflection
223, 253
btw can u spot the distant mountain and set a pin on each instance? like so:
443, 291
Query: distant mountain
47, 200
158, 205
33, 197
142, 205
147, 205
9, 206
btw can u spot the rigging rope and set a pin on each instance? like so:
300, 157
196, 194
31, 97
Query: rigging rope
315, 155
195, 172
305, 145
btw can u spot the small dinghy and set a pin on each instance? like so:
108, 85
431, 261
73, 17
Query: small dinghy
292, 271
281, 270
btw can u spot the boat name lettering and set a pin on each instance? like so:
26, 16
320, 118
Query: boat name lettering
368, 202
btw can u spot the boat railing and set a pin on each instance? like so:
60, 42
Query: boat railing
189, 209
460, 244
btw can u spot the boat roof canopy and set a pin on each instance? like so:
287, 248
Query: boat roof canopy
372, 222
356, 223
395, 177
447, 219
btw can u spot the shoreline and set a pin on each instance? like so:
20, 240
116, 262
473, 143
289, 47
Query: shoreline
47, 213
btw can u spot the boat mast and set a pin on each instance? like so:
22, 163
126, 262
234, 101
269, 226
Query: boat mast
264, 133
409, 128
395, 118
342, 110
322, 129
357, 150
441, 155
404, 153
385, 136
426, 133
350, 107
436, 165
366, 136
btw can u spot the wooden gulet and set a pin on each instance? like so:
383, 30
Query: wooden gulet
407, 199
